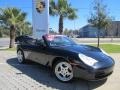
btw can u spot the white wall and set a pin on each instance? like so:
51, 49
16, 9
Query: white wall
40, 20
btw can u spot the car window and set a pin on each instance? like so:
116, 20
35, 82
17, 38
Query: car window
59, 41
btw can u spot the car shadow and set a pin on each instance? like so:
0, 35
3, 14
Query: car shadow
44, 75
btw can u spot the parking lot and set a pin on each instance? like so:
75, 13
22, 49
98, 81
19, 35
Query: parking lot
32, 76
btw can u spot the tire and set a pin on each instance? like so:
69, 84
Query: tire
20, 56
63, 71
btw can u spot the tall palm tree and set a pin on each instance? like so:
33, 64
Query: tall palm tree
12, 17
62, 9
24, 28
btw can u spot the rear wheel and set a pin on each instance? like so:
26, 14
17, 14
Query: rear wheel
63, 71
20, 56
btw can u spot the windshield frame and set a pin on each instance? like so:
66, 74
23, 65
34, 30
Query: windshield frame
62, 37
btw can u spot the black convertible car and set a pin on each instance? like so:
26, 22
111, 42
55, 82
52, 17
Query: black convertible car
66, 58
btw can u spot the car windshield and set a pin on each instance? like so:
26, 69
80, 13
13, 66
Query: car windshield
59, 41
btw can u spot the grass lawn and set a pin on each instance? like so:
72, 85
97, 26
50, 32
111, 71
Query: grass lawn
109, 48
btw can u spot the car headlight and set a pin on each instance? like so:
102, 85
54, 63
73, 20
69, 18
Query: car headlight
87, 60
104, 52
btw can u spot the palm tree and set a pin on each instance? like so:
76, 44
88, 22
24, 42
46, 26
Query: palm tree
62, 9
24, 28
12, 17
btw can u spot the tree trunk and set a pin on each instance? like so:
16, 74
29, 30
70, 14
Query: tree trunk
61, 24
98, 37
1, 33
20, 32
12, 36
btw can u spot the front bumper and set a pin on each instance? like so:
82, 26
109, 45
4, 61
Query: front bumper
92, 74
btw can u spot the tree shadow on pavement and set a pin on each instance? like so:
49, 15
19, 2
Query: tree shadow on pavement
44, 76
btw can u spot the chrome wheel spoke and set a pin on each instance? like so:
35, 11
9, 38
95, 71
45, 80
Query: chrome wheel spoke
62, 68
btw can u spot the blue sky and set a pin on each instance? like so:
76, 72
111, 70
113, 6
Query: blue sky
84, 8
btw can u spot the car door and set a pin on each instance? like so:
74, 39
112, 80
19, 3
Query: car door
38, 52
28, 47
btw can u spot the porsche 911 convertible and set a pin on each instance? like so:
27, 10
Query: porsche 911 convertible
66, 58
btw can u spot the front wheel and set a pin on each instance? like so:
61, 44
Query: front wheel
63, 71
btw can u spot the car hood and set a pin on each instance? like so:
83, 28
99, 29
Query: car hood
90, 51
81, 48
84, 49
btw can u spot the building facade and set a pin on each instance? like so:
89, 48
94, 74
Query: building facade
89, 31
